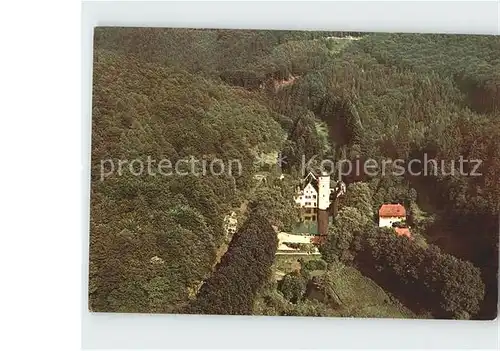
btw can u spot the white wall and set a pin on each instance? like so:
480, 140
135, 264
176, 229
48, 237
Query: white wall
388, 221
324, 192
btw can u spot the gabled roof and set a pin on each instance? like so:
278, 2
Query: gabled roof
314, 184
403, 232
309, 177
392, 210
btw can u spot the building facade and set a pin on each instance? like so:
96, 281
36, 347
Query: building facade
307, 200
315, 197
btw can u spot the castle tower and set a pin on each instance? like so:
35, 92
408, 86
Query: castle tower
323, 203
323, 192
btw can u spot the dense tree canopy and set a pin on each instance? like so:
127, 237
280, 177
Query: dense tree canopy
243, 269
143, 110
225, 94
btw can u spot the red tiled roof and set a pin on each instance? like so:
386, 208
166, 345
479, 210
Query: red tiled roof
392, 210
318, 240
403, 231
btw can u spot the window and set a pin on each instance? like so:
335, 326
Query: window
314, 196
313, 218
308, 197
307, 218
308, 204
315, 204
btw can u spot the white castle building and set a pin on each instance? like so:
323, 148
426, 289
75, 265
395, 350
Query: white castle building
315, 196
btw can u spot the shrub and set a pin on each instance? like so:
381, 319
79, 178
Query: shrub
293, 287
313, 265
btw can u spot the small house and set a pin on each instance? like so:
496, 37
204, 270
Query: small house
388, 214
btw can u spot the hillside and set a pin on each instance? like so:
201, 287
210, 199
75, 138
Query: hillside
216, 96
154, 237
390, 96
338, 291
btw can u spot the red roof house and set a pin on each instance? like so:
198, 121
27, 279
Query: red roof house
388, 214
392, 210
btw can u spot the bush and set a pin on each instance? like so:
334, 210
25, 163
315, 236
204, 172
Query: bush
293, 287
313, 265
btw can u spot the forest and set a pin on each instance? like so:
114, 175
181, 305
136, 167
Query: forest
157, 244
